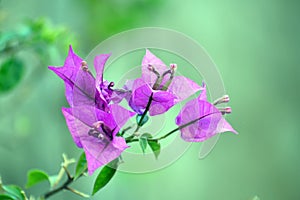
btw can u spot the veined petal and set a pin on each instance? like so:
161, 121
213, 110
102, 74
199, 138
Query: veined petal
78, 124
210, 123
73, 61
125, 93
84, 91
99, 153
82, 120
225, 127
120, 116
183, 88
139, 98
150, 59
70, 68
99, 63
79, 83
162, 101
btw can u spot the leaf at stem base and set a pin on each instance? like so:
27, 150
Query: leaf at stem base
81, 166
105, 175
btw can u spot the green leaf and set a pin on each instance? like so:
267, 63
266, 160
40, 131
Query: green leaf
143, 140
14, 192
11, 72
144, 121
36, 176
6, 38
155, 146
147, 135
143, 143
105, 175
81, 166
52, 180
6, 197
256, 198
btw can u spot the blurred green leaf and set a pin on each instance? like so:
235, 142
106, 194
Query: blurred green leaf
155, 146
36, 176
6, 39
144, 121
146, 135
143, 143
143, 140
256, 198
105, 175
81, 166
5, 197
11, 72
15, 192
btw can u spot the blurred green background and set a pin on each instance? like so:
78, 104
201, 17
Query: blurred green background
255, 45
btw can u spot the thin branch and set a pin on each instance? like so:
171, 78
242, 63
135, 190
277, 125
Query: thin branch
139, 124
144, 113
64, 186
77, 192
129, 140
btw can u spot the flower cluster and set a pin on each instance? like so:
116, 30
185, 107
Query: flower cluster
95, 117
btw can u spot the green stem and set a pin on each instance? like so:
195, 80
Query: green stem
171, 132
144, 113
125, 130
139, 124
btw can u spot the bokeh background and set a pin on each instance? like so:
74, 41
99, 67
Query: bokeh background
255, 45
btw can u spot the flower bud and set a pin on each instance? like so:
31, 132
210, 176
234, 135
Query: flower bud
226, 110
150, 67
173, 66
223, 99
84, 66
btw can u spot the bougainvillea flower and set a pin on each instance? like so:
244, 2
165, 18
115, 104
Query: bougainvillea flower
81, 86
204, 119
95, 131
159, 80
161, 102
104, 88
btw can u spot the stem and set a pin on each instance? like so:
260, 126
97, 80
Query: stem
126, 129
173, 131
77, 192
139, 125
130, 138
64, 186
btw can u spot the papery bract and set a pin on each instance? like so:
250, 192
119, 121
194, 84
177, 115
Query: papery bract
158, 79
103, 87
69, 72
161, 102
95, 131
81, 86
210, 120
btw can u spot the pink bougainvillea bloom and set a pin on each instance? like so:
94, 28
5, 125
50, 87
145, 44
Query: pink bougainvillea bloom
81, 86
161, 102
95, 131
159, 81
207, 119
